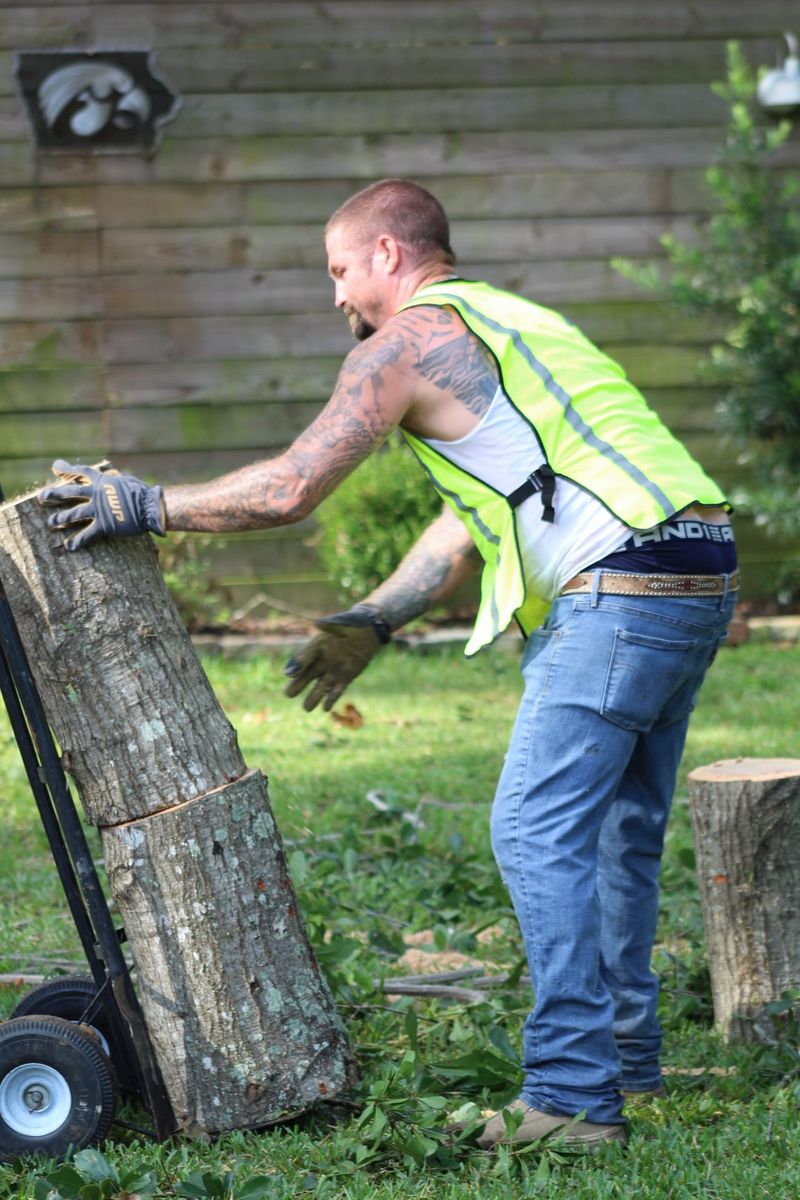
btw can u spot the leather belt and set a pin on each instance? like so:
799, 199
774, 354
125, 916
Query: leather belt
628, 583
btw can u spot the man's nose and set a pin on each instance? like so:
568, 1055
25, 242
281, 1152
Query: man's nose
340, 299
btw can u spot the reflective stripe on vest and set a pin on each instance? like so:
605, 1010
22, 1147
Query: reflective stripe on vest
571, 416
592, 424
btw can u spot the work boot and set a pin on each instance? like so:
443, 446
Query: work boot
536, 1125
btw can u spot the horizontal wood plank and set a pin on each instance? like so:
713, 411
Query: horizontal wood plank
356, 22
646, 192
668, 375
48, 254
608, 192
283, 247
269, 247
262, 427
427, 155
279, 379
26, 389
249, 292
55, 299
634, 106
196, 70
34, 209
613, 192
201, 339
252, 337
62, 434
50, 344
381, 111
447, 110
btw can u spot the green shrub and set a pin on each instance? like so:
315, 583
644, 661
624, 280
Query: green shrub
373, 519
746, 271
202, 602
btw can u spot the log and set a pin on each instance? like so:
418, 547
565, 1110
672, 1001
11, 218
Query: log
746, 821
243, 1025
242, 1019
139, 727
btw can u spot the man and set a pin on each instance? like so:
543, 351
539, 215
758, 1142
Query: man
579, 502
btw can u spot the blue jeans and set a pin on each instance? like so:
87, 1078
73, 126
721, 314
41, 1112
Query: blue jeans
578, 829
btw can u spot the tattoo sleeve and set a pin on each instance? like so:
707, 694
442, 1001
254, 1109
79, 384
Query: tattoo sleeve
435, 566
455, 360
370, 398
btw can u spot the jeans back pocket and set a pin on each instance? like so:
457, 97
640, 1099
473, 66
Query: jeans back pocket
644, 675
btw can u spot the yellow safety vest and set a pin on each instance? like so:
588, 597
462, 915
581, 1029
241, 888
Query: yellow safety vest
594, 428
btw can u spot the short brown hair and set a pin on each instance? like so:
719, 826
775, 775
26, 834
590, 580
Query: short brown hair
404, 209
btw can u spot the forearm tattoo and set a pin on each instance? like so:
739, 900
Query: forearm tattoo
435, 566
364, 408
375, 388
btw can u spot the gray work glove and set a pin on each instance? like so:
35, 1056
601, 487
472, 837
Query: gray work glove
331, 660
100, 502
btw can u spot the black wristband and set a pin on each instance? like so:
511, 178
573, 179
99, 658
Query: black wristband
378, 622
382, 629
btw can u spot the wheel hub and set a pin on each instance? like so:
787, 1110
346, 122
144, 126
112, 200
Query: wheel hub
35, 1099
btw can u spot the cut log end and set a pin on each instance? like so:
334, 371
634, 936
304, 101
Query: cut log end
746, 769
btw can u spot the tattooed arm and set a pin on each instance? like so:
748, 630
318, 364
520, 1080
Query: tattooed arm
437, 564
442, 559
421, 354
371, 396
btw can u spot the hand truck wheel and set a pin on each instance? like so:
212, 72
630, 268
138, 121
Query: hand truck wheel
71, 997
56, 1087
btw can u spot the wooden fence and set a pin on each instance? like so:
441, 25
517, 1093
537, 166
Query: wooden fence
173, 312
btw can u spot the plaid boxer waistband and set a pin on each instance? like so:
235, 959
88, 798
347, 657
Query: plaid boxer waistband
624, 583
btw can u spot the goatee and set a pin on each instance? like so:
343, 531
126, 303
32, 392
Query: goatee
359, 326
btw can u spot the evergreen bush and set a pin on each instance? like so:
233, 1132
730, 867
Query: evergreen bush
746, 272
371, 521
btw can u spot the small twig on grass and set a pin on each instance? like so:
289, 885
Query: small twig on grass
795, 1071
442, 991
437, 976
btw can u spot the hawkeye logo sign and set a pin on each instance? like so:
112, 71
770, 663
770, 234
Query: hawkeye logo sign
113, 502
97, 100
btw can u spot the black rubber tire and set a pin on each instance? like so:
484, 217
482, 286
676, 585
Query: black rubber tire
59, 1051
69, 997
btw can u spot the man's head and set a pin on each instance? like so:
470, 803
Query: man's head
387, 235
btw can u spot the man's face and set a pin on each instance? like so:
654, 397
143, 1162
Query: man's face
350, 266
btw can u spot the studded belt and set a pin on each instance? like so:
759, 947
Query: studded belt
628, 583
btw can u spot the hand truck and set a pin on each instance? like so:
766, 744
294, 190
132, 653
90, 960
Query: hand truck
74, 1042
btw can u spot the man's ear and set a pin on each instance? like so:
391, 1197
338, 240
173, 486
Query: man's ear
388, 253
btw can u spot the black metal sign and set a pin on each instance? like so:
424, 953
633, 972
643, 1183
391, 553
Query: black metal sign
98, 100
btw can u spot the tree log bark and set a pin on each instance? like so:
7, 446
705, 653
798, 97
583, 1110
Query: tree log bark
746, 822
242, 1019
243, 1025
139, 727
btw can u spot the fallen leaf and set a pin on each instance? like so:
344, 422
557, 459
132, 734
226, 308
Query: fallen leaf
351, 717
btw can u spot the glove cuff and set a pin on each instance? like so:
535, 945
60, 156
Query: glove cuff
155, 511
377, 620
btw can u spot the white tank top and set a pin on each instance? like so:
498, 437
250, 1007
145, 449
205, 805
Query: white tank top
502, 450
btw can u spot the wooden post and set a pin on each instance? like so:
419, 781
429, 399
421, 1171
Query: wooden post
242, 1023
746, 822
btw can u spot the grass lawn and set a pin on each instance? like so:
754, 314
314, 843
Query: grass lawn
429, 750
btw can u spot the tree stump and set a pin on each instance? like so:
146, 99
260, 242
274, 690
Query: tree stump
746, 822
243, 1025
